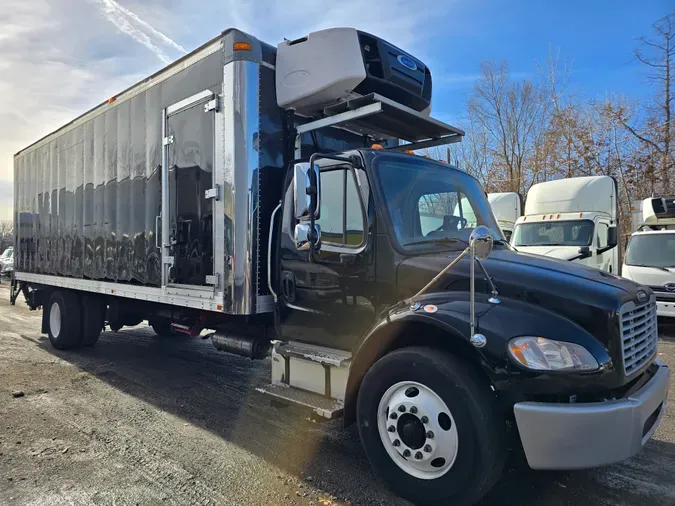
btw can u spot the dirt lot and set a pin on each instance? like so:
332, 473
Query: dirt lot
139, 421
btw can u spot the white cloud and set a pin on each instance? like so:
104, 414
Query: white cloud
132, 25
59, 58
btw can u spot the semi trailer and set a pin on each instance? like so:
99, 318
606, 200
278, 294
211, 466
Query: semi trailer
573, 219
271, 197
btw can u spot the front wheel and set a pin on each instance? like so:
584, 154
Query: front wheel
430, 427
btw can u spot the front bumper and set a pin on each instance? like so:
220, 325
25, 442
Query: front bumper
585, 435
665, 308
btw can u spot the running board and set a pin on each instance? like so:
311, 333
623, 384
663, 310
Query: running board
322, 406
320, 354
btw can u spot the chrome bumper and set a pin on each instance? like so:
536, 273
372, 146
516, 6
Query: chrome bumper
584, 435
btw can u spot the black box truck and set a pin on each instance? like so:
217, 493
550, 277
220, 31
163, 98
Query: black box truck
273, 197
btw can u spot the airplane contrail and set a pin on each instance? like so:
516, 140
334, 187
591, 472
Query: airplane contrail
124, 20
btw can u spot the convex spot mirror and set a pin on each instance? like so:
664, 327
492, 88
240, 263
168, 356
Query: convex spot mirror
306, 191
304, 239
481, 242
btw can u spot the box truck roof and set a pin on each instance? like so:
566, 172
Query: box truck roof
579, 194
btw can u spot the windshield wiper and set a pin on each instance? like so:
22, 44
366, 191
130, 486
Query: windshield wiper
440, 240
650, 266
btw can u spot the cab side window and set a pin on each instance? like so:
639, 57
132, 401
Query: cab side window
342, 222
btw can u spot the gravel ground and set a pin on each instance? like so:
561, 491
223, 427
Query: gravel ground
139, 421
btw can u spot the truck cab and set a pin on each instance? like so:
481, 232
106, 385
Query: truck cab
650, 253
572, 219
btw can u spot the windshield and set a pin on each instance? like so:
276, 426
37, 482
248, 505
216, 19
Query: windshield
553, 233
429, 203
7, 253
653, 250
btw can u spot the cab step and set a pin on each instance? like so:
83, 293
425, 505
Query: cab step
320, 354
322, 406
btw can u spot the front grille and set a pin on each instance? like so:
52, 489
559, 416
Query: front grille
639, 334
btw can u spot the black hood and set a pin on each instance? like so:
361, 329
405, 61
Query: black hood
585, 295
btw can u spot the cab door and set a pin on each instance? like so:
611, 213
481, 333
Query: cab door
324, 302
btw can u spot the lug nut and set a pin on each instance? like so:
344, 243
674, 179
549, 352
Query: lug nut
401, 408
391, 428
430, 435
396, 442
406, 453
424, 419
393, 416
413, 410
419, 455
427, 448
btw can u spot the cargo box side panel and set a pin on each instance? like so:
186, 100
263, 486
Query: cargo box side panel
87, 198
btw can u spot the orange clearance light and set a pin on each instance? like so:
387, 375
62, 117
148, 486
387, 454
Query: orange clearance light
17, 153
557, 217
525, 218
581, 214
550, 217
543, 217
219, 307
409, 152
242, 46
111, 100
376, 146
427, 156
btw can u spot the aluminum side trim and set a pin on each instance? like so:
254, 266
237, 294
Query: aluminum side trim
196, 299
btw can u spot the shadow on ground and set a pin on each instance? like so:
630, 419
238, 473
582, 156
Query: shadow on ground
216, 391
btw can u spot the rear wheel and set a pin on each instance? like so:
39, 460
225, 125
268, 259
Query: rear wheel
64, 320
162, 327
93, 315
430, 427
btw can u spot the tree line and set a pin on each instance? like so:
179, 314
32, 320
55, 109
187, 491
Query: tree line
524, 131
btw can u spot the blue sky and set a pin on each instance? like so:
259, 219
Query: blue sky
58, 58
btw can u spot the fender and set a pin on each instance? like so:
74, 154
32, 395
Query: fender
400, 326
448, 328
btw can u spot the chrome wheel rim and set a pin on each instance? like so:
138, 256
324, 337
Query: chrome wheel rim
417, 429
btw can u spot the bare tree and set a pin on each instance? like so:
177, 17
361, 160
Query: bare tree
509, 114
657, 53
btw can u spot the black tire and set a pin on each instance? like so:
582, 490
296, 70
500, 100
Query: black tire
64, 329
481, 449
93, 317
162, 327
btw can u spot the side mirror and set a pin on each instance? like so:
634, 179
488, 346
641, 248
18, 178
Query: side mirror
612, 237
306, 191
481, 242
304, 238
585, 252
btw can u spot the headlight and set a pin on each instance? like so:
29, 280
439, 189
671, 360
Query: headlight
541, 354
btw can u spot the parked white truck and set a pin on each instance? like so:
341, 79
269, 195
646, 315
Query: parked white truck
572, 219
650, 254
507, 208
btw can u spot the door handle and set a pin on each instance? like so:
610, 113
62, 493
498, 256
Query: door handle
157, 231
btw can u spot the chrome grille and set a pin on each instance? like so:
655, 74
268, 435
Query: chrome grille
639, 334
